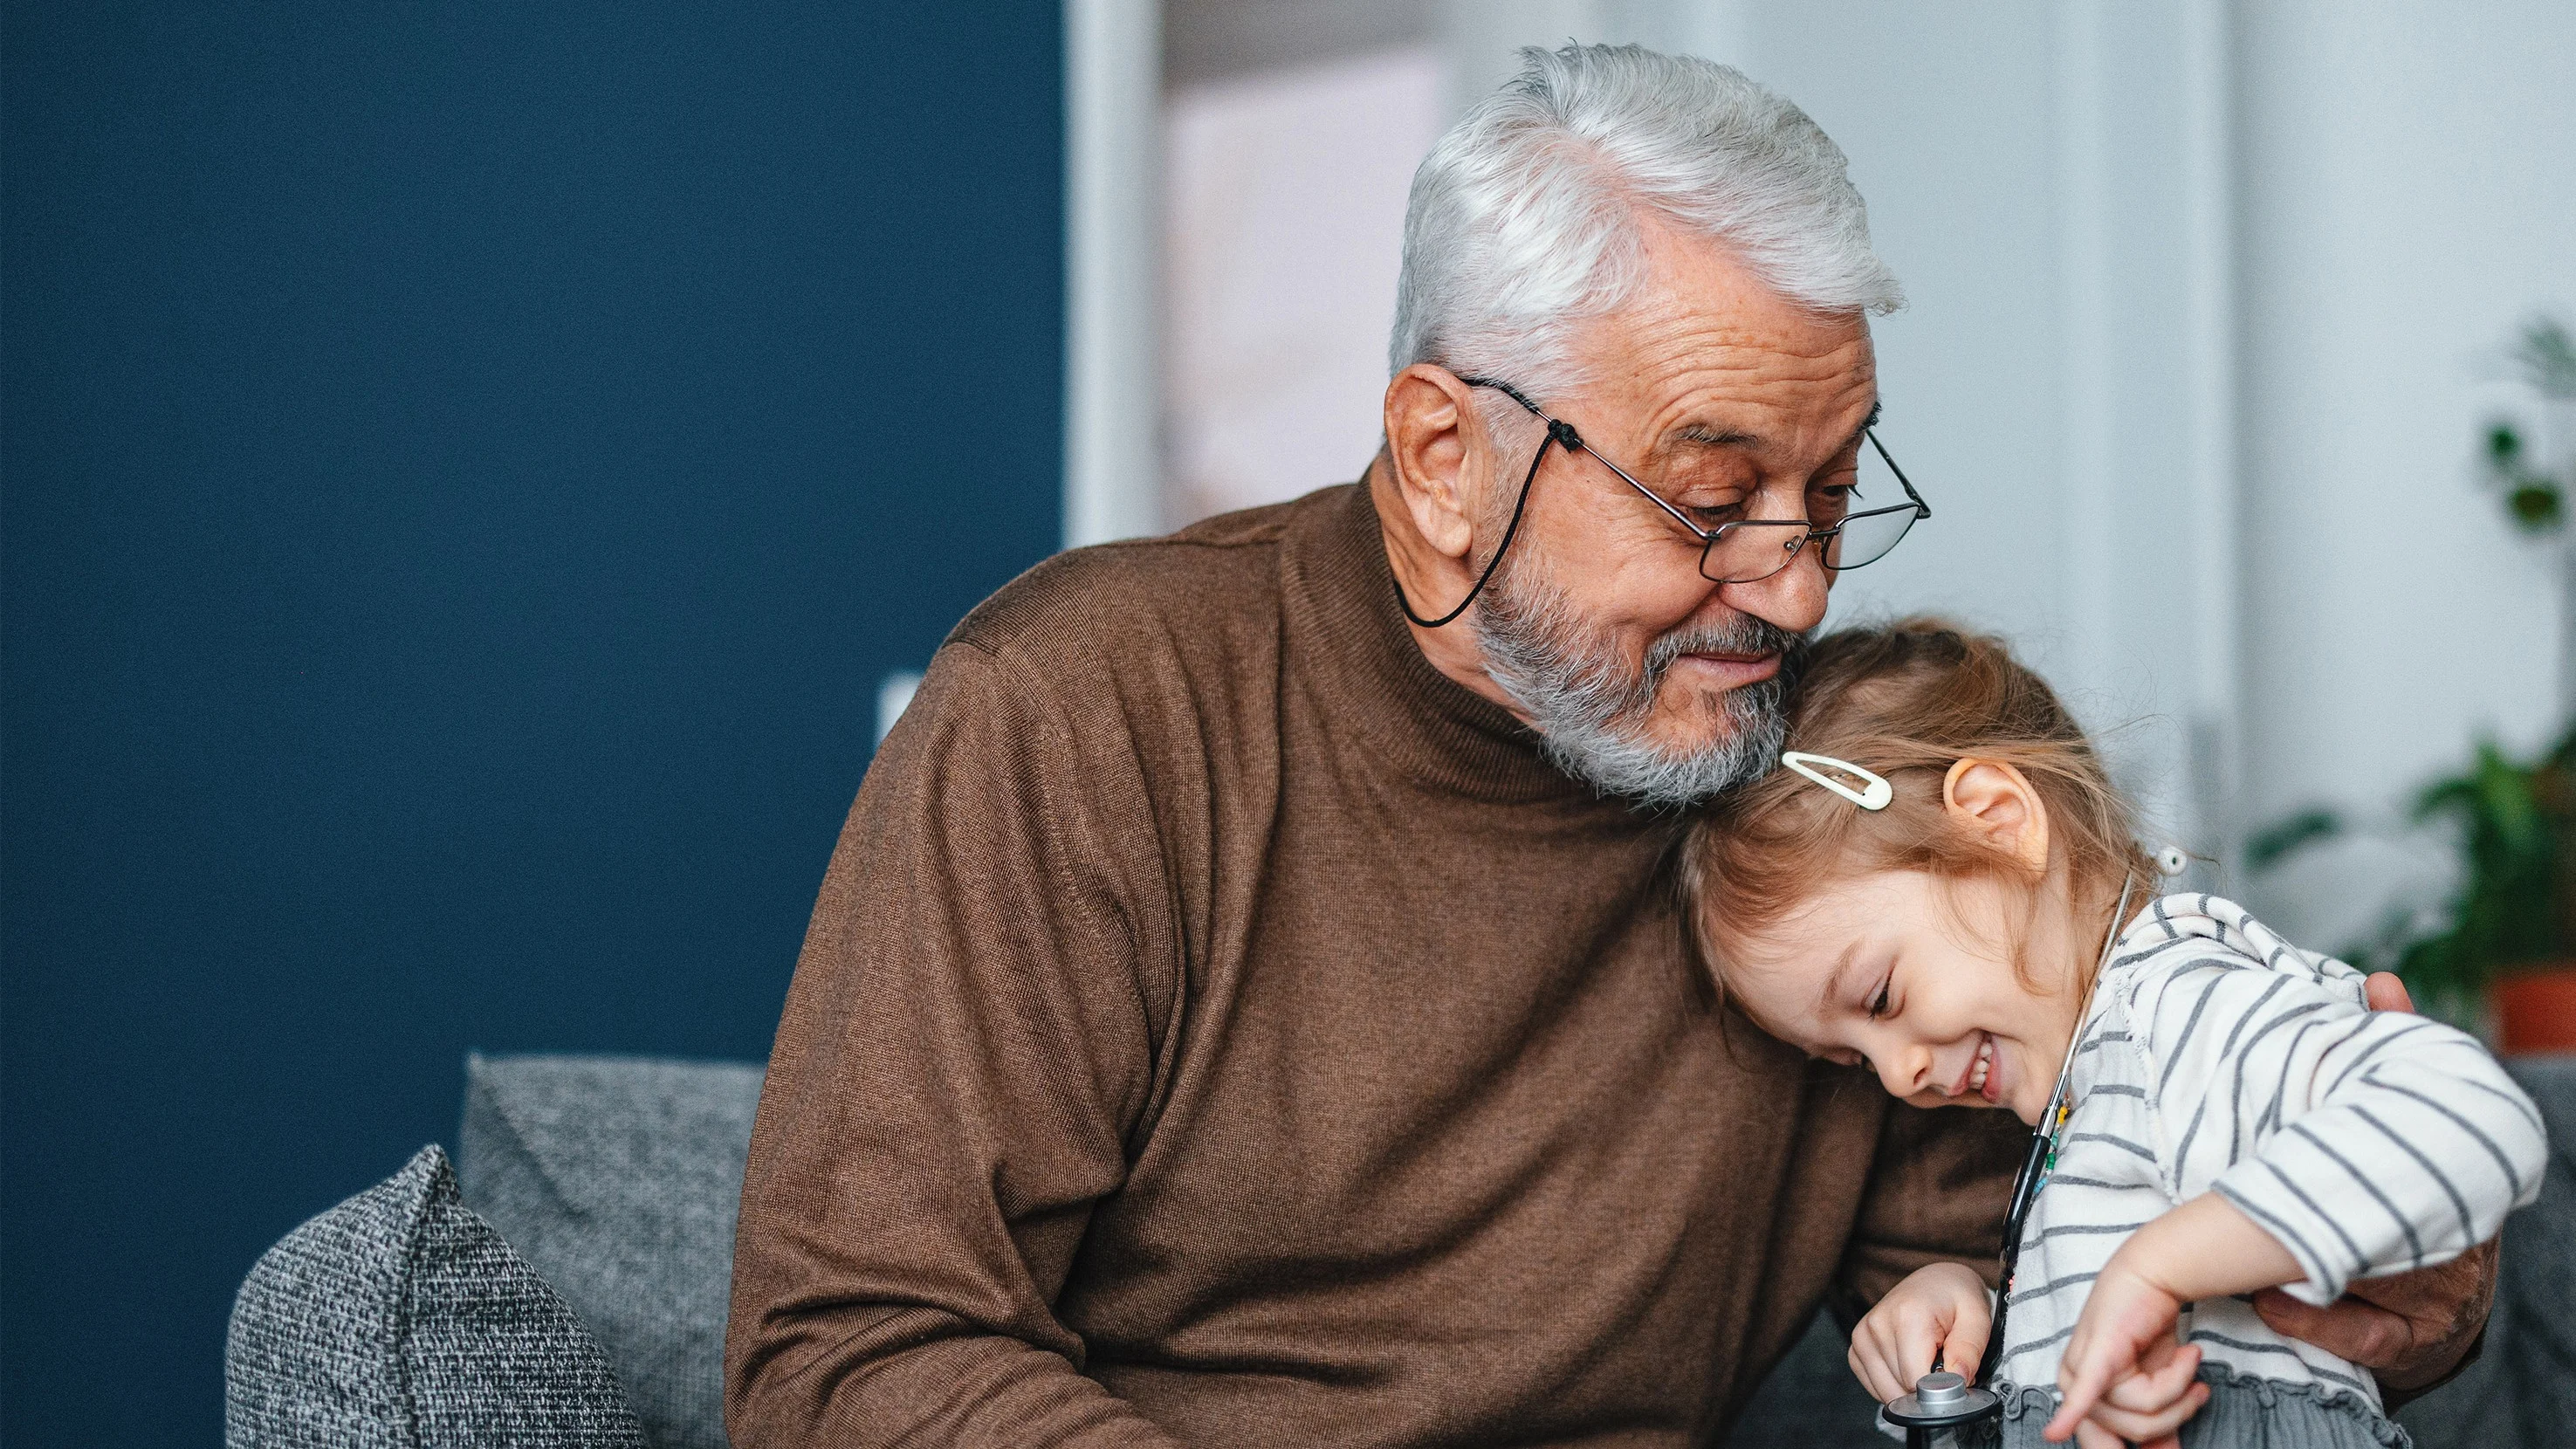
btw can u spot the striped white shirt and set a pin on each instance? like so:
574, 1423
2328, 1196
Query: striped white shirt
2218, 1057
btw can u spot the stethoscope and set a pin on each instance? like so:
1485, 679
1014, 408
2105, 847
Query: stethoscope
1945, 1407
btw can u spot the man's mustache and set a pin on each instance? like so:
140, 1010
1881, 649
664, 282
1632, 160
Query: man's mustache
1743, 634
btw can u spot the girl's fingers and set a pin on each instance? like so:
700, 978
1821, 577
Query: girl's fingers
1860, 1368
1965, 1347
2082, 1375
2140, 1427
1869, 1365
1938, 1312
1917, 1339
2163, 1378
2089, 1435
2157, 1352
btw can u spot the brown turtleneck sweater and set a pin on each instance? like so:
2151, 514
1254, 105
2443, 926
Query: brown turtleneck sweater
1219, 1027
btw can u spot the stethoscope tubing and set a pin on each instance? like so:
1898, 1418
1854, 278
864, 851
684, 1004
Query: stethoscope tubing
2043, 1143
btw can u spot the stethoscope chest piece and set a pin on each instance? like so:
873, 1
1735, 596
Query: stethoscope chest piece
1945, 1411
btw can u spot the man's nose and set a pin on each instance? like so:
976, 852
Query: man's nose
1793, 598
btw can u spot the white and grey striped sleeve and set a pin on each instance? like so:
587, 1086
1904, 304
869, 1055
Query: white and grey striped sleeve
2367, 1142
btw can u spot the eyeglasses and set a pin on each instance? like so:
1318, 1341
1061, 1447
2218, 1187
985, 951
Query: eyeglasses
1753, 549
1742, 551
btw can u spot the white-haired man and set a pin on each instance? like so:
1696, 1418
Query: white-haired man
1243, 1009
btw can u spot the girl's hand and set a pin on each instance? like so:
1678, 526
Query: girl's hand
2123, 1376
1941, 1309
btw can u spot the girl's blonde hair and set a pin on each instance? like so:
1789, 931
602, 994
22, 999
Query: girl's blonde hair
1905, 701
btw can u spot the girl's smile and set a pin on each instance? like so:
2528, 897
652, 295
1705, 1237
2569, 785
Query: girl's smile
1927, 887
1982, 1077
1923, 989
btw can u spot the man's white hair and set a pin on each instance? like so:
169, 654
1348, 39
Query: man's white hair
1524, 219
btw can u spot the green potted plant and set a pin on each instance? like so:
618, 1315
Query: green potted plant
2531, 463
2506, 935
2503, 947
2535, 497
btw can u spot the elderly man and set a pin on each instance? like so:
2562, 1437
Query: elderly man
1242, 1008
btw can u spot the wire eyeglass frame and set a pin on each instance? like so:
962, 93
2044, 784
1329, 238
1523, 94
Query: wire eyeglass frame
1562, 434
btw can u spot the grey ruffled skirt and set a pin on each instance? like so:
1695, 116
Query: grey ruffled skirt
2243, 1412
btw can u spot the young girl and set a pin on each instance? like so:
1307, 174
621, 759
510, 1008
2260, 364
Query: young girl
1943, 887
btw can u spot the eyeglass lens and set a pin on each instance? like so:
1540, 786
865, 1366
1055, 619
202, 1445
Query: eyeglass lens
1874, 517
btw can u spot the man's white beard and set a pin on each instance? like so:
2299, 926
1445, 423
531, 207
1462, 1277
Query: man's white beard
1591, 710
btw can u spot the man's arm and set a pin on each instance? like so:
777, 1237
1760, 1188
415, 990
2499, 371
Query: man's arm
1937, 1187
1937, 1191
967, 1044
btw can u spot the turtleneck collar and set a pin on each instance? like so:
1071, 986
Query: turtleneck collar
1341, 605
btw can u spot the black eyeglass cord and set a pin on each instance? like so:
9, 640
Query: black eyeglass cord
2037, 1163
2034, 1164
1559, 433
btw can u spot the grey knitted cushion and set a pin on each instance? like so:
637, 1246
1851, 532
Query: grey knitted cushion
400, 1320
620, 1178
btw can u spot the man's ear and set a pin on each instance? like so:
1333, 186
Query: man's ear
1993, 801
1431, 441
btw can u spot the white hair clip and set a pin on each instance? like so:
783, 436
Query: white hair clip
1873, 794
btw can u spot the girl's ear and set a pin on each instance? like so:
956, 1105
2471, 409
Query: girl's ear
1991, 800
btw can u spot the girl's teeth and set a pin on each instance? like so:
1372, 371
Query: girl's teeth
1985, 1059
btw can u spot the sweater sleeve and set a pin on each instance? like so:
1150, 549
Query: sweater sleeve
1938, 1186
967, 1044
2367, 1142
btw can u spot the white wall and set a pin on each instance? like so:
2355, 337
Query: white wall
2026, 176
2208, 297
2207, 302
2409, 195
1284, 202
1113, 126
2030, 171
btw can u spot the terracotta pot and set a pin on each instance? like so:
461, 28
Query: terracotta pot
2536, 1011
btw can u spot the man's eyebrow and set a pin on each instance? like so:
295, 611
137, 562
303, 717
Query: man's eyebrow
1708, 436
1866, 424
1712, 437
1834, 978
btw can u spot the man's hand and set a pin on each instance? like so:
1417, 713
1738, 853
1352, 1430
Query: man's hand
2409, 1329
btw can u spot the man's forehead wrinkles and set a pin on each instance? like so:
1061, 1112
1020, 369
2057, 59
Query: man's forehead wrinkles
1754, 372
1681, 322
1751, 353
1751, 412
1745, 375
1709, 435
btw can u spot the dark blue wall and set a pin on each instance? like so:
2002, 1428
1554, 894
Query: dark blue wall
467, 468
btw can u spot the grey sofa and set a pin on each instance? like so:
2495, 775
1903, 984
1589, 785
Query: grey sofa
568, 1286
608, 1183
